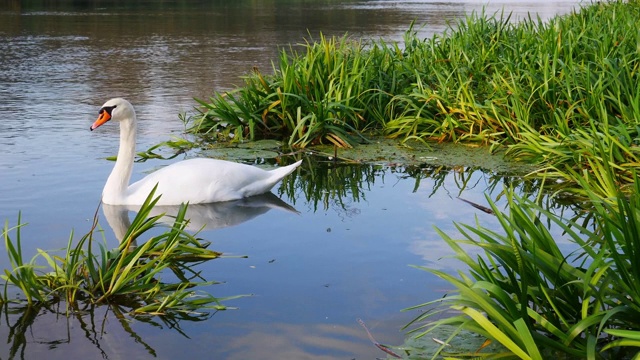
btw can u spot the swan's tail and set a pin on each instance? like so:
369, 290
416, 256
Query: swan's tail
280, 173
267, 182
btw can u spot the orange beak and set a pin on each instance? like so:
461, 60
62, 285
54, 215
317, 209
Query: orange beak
102, 118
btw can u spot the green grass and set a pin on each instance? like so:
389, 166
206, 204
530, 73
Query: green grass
131, 274
315, 97
543, 90
527, 294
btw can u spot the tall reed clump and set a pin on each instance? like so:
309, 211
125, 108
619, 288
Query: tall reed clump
320, 95
538, 301
129, 275
544, 90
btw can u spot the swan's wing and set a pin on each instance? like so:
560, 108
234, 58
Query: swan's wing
206, 180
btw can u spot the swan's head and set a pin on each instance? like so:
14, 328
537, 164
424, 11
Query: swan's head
115, 109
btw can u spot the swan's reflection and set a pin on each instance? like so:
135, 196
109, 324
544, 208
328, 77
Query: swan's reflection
200, 216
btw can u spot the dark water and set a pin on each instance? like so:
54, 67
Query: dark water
344, 256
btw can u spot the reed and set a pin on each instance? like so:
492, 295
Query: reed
546, 91
527, 294
311, 97
543, 90
88, 272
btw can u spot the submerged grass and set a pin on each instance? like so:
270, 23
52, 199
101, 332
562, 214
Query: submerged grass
128, 275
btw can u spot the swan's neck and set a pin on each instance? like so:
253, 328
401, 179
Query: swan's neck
115, 190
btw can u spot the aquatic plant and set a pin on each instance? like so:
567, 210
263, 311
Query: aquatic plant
129, 275
527, 294
543, 90
311, 98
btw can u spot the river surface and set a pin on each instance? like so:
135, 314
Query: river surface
311, 273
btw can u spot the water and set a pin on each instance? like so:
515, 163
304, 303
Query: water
312, 274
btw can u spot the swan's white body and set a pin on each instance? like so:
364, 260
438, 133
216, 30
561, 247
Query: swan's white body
196, 181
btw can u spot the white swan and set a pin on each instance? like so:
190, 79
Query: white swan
196, 181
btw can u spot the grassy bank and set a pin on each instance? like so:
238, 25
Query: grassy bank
544, 90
